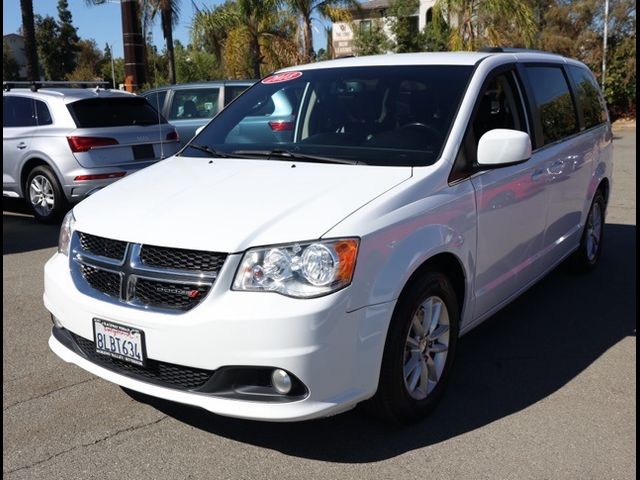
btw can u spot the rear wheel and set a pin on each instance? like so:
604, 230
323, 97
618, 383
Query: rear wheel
419, 350
586, 257
44, 195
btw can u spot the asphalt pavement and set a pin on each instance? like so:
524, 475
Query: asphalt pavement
546, 389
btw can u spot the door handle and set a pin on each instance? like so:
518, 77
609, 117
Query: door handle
556, 168
538, 174
22, 145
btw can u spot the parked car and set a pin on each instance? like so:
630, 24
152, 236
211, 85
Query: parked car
287, 280
60, 145
189, 106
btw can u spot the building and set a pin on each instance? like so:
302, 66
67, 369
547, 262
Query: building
372, 11
16, 47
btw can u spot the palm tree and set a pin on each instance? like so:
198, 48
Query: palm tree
211, 26
478, 23
169, 12
29, 33
248, 34
334, 10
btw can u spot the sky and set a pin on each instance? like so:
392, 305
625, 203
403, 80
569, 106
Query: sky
103, 23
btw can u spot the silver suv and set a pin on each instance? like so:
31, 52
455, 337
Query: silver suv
60, 145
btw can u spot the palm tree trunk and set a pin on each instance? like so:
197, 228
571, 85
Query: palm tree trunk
308, 39
256, 55
167, 30
29, 40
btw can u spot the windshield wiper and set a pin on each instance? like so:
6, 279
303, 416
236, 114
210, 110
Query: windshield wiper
289, 155
206, 149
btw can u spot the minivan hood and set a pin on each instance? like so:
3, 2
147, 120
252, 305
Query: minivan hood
229, 205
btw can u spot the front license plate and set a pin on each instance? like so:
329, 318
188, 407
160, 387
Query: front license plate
119, 341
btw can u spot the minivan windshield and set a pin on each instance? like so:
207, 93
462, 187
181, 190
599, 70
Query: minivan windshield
379, 115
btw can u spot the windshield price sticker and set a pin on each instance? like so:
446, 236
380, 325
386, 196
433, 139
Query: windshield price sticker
282, 77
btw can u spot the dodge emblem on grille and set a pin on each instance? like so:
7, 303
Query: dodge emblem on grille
178, 291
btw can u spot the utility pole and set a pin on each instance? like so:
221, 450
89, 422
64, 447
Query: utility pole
604, 46
113, 70
133, 44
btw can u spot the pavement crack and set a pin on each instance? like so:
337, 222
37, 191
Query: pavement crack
84, 445
47, 394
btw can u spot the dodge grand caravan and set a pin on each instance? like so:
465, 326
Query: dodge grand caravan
408, 199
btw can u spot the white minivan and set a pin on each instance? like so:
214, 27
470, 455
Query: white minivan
338, 261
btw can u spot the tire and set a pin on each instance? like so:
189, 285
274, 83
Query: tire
586, 257
44, 195
396, 400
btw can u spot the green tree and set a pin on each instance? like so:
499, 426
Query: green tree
479, 23
67, 39
90, 61
371, 41
193, 65
10, 68
334, 10
47, 34
404, 26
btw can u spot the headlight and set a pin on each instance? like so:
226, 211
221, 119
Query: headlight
299, 270
66, 231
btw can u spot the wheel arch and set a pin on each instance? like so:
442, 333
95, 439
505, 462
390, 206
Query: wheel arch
28, 166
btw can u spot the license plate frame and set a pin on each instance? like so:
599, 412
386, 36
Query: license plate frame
120, 342
143, 151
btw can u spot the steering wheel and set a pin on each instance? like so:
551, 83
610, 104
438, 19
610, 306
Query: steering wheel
418, 125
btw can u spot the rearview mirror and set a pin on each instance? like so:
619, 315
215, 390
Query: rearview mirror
199, 129
502, 147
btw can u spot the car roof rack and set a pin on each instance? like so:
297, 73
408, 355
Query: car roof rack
510, 50
34, 86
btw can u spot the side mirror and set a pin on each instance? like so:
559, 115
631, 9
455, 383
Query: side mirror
199, 129
502, 147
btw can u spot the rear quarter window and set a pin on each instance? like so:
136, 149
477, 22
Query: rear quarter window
590, 101
554, 103
114, 112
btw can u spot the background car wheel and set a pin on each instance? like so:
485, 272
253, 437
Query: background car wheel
44, 195
419, 350
586, 257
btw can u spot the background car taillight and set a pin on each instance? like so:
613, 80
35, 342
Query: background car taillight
173, 136
281, 126
84, 144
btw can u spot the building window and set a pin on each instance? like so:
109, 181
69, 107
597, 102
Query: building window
365, 27
429, 17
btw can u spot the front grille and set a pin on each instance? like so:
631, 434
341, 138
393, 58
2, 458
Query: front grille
105, 247
102, 280
169, 295
180, 259
170, 279
163, 373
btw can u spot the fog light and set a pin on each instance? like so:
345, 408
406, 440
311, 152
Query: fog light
55, 321
281, 381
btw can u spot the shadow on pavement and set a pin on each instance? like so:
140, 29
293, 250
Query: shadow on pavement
21, 232
517, 358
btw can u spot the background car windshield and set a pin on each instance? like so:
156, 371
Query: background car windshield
372, 115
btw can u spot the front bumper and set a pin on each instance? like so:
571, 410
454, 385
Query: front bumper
336, 354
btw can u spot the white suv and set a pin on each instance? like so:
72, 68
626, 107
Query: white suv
295, 277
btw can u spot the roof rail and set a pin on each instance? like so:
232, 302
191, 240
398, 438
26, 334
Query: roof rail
511, 50
34, 86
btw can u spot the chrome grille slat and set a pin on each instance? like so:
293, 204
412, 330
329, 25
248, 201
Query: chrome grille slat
172, 285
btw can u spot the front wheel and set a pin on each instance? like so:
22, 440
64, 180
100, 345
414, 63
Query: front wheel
419, 350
